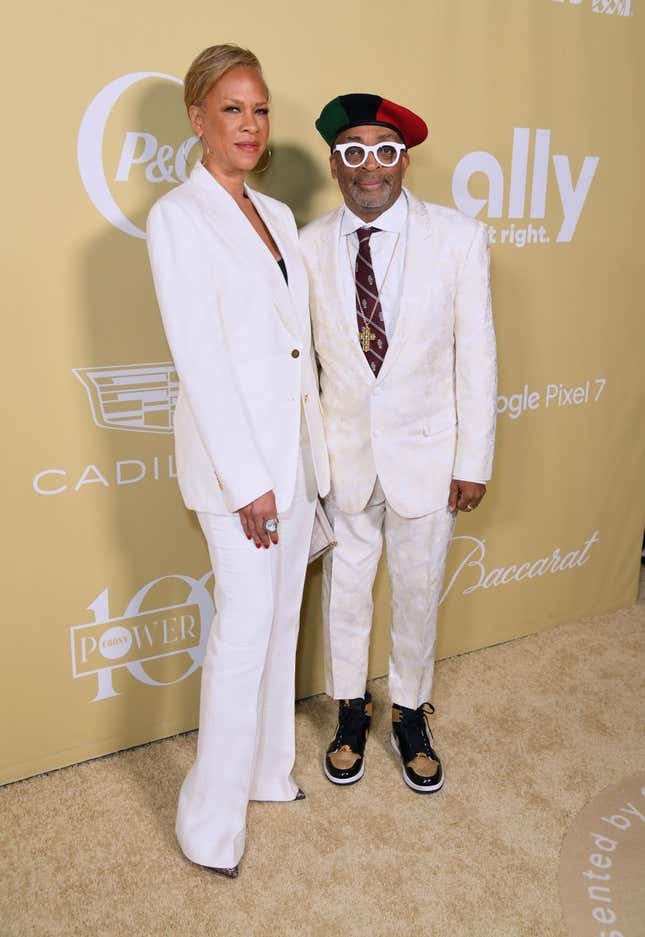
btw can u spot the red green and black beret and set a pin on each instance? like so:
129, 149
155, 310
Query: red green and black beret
356, 110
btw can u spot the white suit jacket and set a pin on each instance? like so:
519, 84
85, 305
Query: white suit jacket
429, 416
241, 342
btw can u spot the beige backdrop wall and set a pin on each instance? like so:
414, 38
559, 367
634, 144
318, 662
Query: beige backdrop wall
535, 110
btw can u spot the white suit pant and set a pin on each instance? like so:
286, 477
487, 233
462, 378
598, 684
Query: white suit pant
246, 741
416, 554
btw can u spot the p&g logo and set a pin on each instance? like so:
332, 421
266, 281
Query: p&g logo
162, 162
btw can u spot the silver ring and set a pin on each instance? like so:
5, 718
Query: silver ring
469, 508
271, 525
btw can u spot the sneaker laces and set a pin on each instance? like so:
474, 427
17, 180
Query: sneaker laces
415, 729
350, 735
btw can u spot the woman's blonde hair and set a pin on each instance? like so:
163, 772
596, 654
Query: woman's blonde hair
209, 66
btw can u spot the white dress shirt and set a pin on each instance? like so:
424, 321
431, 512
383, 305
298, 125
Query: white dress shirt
387, 247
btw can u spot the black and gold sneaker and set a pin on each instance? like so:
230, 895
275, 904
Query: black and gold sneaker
422, 770
344, 761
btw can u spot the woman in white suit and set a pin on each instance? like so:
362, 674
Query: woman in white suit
250, 448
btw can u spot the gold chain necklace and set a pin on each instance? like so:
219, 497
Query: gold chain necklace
365, 335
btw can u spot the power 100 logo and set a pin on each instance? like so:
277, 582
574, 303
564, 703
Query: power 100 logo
147, 634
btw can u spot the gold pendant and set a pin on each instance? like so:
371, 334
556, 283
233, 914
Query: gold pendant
366, 337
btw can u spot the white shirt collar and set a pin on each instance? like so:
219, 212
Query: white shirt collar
394, 219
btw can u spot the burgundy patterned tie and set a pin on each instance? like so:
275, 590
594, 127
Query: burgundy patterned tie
371, 328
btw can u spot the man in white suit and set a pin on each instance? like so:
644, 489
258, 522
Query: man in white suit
403, 331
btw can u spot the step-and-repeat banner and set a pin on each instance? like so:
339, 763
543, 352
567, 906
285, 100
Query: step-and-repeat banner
536, 127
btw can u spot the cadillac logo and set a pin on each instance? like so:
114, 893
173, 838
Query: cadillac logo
136, 397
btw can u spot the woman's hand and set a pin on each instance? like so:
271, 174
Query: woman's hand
253, 516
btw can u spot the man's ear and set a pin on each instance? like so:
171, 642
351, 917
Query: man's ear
405, 162
332, 166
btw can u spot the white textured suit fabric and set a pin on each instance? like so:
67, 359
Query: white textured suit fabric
417, 548
428, 417
248, 420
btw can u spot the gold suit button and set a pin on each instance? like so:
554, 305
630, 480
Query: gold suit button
295, 353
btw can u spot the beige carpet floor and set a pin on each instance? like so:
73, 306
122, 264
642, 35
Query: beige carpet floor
529, 731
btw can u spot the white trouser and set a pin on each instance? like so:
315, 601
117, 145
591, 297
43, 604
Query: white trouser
416, 557
246, 742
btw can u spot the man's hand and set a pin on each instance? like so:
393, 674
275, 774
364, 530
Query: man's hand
465, 496
253, 516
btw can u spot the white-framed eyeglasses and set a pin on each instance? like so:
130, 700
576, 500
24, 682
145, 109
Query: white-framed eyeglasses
355, 155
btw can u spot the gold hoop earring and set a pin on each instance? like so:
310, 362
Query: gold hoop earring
266, 165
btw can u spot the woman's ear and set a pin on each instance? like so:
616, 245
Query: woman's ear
196, 117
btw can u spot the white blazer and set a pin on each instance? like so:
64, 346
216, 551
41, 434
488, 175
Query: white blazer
241, 342
429, 416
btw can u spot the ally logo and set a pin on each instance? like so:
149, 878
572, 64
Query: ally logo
512, 203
